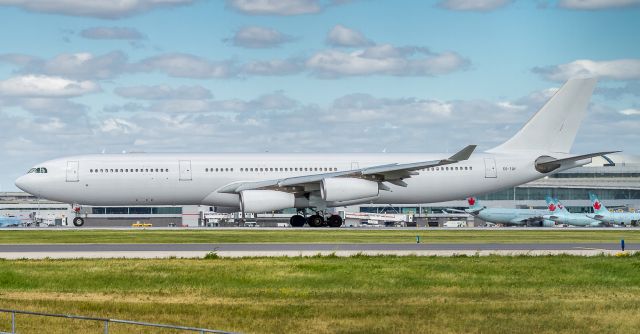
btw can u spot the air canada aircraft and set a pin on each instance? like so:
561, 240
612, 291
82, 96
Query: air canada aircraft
10, 221
605, 216
507, 216
263, 182
560, 214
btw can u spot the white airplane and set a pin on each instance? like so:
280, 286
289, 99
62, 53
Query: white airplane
265, 182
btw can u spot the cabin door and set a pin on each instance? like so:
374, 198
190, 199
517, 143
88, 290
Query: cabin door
72, 171
490, 168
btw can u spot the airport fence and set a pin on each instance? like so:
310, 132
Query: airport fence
105, 321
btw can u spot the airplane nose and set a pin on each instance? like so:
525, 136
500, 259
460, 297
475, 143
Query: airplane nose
22, 183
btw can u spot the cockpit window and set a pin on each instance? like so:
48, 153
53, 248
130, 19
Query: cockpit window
37, 170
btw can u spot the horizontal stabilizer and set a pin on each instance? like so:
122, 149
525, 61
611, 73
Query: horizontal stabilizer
547, 164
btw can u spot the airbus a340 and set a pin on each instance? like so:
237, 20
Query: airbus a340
267, 182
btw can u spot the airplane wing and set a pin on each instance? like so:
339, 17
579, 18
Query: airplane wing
469, 211
392, 173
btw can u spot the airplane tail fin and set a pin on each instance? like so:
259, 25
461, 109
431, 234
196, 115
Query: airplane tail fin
474, 205
554, 127
560, 206
551, 205
598, 207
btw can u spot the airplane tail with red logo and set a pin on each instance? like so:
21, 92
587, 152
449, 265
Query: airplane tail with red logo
474, 205
598, 207
551, 204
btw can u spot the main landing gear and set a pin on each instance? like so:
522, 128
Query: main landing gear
316, 220
77, 221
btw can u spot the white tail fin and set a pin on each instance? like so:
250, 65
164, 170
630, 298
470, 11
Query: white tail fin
554, 127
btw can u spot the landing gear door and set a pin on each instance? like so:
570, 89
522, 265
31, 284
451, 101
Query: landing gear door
490, 168
185, 170
72, 171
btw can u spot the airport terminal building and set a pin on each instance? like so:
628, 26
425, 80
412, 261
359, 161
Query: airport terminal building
614, 178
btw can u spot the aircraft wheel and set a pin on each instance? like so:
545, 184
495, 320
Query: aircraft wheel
78, 222
297, 221
334, 221
315, 221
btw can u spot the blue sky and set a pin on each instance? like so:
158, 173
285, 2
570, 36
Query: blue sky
87, 76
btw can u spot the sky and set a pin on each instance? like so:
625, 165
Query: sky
93, 76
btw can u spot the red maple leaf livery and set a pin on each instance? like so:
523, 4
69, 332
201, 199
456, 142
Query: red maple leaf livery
597, 205
472, 201
552, 207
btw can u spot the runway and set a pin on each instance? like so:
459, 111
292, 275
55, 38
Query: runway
39, 251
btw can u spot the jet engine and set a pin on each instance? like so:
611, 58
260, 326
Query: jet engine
344, 189
256, 201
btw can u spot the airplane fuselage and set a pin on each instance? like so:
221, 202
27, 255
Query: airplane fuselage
517, 217
617, 218
183, 179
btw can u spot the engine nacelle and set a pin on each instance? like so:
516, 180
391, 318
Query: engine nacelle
345, 189
257, 201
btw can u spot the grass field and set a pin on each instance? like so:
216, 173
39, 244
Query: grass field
548, 294
316, 236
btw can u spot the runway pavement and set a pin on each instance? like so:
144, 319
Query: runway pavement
38, 251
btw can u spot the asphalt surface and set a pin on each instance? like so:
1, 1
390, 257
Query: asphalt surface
249, 247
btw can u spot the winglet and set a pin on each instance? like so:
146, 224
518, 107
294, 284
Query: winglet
463, 154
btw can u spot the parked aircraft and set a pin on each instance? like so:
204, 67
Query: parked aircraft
10, 221
617, 218
506, 216
268, 182
561, 215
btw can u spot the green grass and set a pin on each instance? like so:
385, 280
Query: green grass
316, 236
548, 294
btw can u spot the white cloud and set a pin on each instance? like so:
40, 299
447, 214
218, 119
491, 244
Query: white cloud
385, 60
110, 9
630, 112
259, 37
597, 4
343, 36
81, 65
274, 67
112, 33
119, 126
275, 7
473, 5
620, 69
164, 92
186, 66
45, 86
